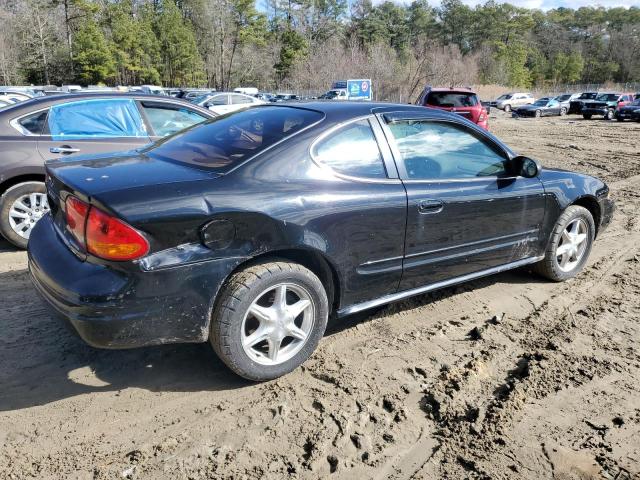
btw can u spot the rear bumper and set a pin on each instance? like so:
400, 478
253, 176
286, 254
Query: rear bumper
112, 308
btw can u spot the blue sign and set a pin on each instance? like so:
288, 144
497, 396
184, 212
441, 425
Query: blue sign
359, 89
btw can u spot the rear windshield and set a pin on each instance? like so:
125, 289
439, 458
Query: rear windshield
226, 141
452, 99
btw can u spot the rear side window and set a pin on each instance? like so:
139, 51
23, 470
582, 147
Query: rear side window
168, 119
99, 118
352, 150
34, 123
238, 99
452, 99
223, 143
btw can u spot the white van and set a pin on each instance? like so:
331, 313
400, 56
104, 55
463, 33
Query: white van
246, 90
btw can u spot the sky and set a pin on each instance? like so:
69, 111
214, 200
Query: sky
548, 4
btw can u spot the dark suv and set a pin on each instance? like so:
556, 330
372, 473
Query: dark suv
605, 104
59, 126
463, 101
575, 106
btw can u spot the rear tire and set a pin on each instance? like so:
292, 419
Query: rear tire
561, 244
265, 298
586, 116
18, 215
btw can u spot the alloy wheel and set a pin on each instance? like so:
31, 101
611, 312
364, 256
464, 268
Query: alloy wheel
278, 324
26, 211
573, 244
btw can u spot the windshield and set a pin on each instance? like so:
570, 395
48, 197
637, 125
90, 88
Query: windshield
588, 96
563, 98
226, 141
504, 97
541, 101
452, 99
608, 97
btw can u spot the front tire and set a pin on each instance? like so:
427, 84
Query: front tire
268, 320
569, 246
563, 111
507, 108
609, 115
21, 206
586, 116
538, 113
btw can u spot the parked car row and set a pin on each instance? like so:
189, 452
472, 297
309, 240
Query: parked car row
608, 105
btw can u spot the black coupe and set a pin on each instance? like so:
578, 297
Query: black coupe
249, 230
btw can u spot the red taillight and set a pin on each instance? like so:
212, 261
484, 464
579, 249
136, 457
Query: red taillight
76, 212
111, 239
103, 235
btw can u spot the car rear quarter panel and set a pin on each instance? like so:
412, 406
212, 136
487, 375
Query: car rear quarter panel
19, 156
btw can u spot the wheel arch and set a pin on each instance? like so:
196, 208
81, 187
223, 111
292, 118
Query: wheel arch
27, 177
311, 259
591, 204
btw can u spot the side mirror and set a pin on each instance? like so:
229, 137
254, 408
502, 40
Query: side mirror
526, 167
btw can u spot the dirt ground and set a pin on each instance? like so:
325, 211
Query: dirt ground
506, 377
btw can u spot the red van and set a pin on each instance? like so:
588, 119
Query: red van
462, 101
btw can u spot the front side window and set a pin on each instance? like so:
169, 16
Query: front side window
99, 118
166, 120
34, 123
224, 142
439, 150
352, 150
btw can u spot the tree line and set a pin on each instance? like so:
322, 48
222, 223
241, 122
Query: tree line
306, 44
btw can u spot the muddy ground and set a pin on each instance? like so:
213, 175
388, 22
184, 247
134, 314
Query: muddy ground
506, 377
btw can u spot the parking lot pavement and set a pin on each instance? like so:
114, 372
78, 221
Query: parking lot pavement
506, 376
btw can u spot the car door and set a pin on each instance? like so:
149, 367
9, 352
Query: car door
553, 107
466, 211
92, 126
164, 118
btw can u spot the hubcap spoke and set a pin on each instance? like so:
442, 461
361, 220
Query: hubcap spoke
262, 314
274, 348
280, 300
297, 333
297, 308
260, 335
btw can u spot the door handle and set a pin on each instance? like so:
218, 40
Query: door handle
64, 149
430, 206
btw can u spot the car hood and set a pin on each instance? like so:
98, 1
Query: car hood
629, 108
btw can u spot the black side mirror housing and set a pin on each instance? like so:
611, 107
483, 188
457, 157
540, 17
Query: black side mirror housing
526, 167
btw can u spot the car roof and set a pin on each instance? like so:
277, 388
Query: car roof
338, 112
453, 90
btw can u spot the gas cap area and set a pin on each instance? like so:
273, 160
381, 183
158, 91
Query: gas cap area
218, 234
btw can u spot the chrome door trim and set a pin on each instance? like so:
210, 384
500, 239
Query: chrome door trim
434, 286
